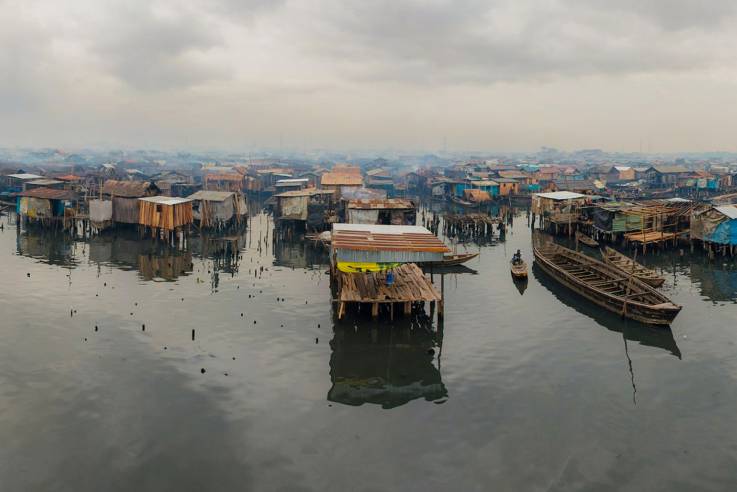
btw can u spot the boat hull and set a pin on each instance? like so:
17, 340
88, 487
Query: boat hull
659, 311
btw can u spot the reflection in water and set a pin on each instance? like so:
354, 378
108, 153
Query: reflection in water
659, 337
151, 259
521, 284
718, 284
295, 253
387, 366
54, 248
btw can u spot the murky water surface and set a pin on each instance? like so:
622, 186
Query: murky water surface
524, 388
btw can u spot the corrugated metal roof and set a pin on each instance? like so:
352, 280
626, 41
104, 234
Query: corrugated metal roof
560, 195
381, 204
305, 192
127, 189
341, 179
49, 194
728, 210
397, 238
224, 177
291, 181
45, 182
165, 200
211, 196
484, 182
25, 176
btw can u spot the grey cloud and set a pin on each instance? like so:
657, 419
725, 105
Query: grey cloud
154, 51
481, 42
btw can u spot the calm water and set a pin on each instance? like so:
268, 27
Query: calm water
520, 389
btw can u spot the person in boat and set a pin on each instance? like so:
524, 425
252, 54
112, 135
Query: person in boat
517, 258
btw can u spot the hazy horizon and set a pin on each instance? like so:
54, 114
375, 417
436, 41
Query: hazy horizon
501, 76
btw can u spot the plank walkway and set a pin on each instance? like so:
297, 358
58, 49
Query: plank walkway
410, 286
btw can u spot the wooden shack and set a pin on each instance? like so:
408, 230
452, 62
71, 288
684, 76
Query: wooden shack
218, 209
716, 227
46, 206
309, 207
338, 180
166, 214
124, 196
389, 211
362, 256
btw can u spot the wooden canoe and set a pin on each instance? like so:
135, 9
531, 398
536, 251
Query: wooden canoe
519, 271
605, 285
452, 260
462, 202
628, 265
587, 240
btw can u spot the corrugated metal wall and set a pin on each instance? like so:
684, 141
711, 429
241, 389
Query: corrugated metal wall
125, 210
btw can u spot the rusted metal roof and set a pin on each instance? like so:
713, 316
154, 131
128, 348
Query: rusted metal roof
224, 177
49, 194
70, 177
381, 204
305, 192
364, 237
128, 189
211, 196
341, 179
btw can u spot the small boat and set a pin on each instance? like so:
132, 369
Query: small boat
628, 266
519, 270
452, 260
605, 285
587, 240
462, 202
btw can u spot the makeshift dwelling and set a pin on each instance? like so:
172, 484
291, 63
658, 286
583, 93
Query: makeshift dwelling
547, 203
394, 211
291, 184
217, 209
487, 186
507, 186
225, 181
339, 180
16, 182
716, 225
311, 206
373, 265
125, 195
165, 213
45, 205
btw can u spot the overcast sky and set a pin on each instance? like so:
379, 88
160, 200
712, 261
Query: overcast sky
384, 74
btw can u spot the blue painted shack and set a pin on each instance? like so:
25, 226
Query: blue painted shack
717, 225
487, 185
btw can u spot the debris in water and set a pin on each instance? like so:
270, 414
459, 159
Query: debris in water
316, 340
233, 358
241, 315
202, 370
85, 339
28, 274
143, 327
192, 333
254, 322
95, 327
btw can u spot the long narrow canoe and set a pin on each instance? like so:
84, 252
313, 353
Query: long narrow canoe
452, 260
605, 285
628, 266
519, 270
